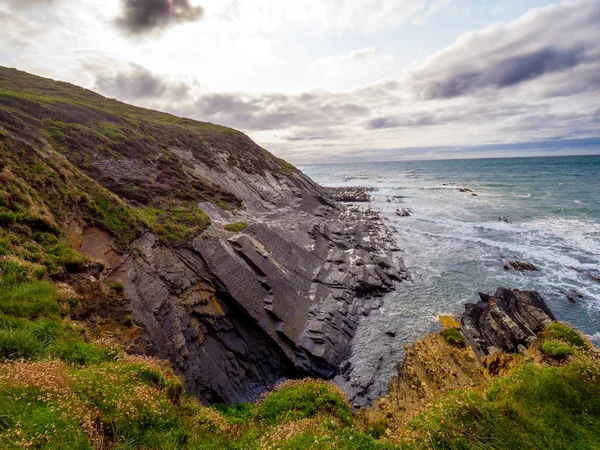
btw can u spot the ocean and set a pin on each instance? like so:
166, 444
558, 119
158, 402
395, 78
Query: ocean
455, 245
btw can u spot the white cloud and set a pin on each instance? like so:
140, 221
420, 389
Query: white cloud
354, 68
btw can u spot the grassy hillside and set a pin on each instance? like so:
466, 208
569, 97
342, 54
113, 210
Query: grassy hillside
61, 389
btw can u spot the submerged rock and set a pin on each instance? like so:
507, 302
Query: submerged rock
520, 266
403, 212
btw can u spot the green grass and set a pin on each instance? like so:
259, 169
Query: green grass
28, 300
554, 408
302, 401
173, 223
556, 330
236, 227
31, 325
454, 337
556, 350
288, 167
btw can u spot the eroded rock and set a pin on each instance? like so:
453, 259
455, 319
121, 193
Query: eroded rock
506, 320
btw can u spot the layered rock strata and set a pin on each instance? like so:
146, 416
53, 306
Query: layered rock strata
235, 312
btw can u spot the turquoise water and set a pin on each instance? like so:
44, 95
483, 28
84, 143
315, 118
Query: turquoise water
455, 246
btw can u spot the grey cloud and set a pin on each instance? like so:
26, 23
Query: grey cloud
140, 17
139, 84
550, 40
512, 70
250, 112
275, 111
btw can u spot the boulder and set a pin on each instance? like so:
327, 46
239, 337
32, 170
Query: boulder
520, 266
506, 321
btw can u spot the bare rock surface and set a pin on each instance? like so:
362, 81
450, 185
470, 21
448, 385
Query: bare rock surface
349, 194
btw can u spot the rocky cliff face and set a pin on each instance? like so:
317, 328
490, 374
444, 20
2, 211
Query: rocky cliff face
150, 196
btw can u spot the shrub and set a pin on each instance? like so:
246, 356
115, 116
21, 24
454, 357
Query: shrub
556, 350
377, 429
562, 332
116, 286
303, 400
454, 337
236, 227
7, 218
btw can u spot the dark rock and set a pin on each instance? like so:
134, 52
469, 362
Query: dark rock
281, 299
506, 320
592, 276
573, 295
520, 266
403, 212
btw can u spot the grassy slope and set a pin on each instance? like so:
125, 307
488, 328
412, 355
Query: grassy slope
64, 148
59, 391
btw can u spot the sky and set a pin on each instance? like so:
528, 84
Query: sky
335, 80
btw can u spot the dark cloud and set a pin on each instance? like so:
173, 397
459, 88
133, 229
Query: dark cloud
139, 84
512, 70
547, 42
141, 17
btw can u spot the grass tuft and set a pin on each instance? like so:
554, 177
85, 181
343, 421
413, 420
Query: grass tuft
236, 227
556, 350
562, 332
454, 337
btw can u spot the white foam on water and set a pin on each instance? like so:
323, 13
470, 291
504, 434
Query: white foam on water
577, 233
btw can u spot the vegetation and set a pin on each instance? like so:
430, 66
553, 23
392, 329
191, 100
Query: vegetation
288, 167
549, 407
454, 337
60, 390
556, 350
236, 227
564, 333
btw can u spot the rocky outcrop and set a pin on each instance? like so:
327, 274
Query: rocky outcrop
506, 321
465, 354
235, 312
352, 194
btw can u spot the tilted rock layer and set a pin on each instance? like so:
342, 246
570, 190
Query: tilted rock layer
150, 196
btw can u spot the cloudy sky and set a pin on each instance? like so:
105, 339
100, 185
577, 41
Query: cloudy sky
335, 80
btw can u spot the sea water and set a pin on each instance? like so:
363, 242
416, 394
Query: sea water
455, 245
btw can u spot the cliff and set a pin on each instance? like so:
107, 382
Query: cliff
236, 267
